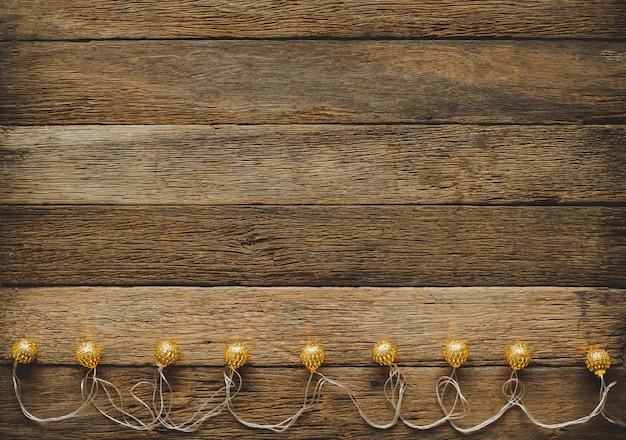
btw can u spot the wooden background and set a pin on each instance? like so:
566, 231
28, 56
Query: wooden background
284, 172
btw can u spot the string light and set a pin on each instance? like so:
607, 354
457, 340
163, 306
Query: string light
88, 355
235, 355
167, 352
384, 353
311, 356
455, 353
25, 351
518, 356
598, 361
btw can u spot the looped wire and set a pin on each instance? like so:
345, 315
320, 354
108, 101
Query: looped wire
201, 414
395, 386
597, 410
604, 389
88, 394
459, 399
449, 413
394, 389
234, 381
127, 419
512, 389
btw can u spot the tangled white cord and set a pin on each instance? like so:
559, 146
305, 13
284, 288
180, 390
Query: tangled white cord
157, 413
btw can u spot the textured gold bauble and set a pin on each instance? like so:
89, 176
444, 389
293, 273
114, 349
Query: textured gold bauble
598, 361
455, 353
88, 355
24, 351
518, 356
236, 355
166, 353
384, 352
312, 356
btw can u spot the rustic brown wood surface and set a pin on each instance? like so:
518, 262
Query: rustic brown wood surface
177, 149
313, 245
271, 394
304, 81
559, 324
87, 19
304, 164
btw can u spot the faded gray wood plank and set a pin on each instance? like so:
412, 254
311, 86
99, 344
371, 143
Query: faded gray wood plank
209, 82
313, 245
553, 395
84, 19
559, 324
330, 164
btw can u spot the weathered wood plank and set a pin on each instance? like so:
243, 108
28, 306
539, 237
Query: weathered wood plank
85, 19
269, 395
330, 164
314, 245
559, 324
206, 82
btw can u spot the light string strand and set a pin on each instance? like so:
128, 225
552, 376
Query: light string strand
449, 414
200, 415
87, 397
156, 414
510, 388
310, 400
394, 388
513, 389
117, 402
604, 389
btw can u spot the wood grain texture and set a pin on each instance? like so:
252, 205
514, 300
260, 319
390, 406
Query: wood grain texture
87, 19
329, 164
314, 245
177, 149
208, 82
269, 395
559, 324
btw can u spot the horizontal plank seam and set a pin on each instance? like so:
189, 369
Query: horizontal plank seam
537, 203
377, 287
341, 285
504, 37
337, 124
597, 122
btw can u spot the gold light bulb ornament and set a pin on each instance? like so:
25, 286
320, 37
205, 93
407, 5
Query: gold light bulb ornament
236, 355
166, 353
518, 356
598, 361
384, 352
312, 356
88, 355
24, 351
455, 353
